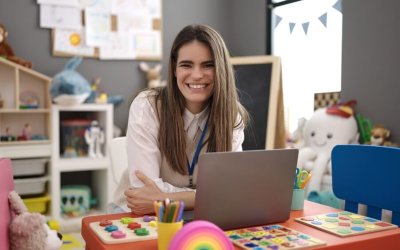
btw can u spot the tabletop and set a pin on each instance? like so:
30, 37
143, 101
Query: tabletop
388, 240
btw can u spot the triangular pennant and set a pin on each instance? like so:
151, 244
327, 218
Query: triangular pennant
291, 26
305, 27
278, 19
324, 19
338, 6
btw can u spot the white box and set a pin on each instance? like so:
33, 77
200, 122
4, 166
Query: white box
30, 186
28, 167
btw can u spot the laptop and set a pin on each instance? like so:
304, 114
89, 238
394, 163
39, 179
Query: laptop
243, 189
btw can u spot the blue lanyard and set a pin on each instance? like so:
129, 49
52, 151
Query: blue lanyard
196, 155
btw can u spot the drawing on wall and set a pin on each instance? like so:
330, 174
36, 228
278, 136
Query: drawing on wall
104, 29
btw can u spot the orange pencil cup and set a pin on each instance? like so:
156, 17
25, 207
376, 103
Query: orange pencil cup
166, 232
298, 199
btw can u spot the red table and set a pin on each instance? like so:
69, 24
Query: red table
388, 240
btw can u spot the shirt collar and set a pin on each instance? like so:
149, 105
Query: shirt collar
189, 118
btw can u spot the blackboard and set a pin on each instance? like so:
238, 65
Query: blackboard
258, 79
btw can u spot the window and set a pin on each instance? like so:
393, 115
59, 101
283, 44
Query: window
307, 35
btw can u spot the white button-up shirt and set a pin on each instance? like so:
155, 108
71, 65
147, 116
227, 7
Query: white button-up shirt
144, 153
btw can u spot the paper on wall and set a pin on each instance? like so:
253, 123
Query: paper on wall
72, 42
62, 17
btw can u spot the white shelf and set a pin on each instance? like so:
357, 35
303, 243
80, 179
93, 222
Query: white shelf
99, 168
82, 164
24, 150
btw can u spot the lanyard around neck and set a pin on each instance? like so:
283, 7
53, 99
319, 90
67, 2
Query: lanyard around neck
196, 155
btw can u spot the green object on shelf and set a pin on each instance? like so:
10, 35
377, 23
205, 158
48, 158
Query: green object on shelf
364, 128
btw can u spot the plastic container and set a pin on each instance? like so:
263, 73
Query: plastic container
29, 167
30, 186
37, 204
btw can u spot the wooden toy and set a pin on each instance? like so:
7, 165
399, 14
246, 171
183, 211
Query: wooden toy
272, 237
345, 223
126, 229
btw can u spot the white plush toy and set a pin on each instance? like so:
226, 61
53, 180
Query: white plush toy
325, 129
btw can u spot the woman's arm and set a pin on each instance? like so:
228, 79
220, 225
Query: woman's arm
141, 200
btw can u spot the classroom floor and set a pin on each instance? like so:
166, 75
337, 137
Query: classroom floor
73, 241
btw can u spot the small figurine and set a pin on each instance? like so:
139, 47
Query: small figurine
7, 136
153, 75
26, 133
94, 137
380, 136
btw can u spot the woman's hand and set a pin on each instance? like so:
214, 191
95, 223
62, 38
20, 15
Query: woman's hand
141, 200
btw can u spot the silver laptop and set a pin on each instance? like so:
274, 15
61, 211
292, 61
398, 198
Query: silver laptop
248, 188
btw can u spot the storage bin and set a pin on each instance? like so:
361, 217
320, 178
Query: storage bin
37, 204
30, 186
29, 167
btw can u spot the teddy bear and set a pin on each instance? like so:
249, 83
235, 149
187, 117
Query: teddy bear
326, 128
7, 52
153, 75
380, 137
29, 231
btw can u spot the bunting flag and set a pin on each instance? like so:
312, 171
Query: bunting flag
278, 19
291, 26
338, 6
324, 19
305, 27
306, 24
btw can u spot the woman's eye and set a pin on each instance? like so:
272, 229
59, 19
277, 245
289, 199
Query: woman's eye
184, 65
209, 65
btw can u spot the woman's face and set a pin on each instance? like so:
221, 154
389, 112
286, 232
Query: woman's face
195, 73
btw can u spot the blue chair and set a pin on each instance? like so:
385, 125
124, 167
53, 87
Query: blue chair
368, 175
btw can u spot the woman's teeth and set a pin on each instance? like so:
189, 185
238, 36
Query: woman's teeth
197, 86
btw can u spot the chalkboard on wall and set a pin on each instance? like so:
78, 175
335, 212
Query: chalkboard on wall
258, 79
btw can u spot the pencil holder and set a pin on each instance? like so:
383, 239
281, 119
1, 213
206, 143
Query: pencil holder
166, 231
298, 199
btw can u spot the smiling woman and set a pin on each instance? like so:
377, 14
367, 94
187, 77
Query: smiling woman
169, 127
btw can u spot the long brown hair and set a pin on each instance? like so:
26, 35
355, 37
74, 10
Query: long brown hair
225, 109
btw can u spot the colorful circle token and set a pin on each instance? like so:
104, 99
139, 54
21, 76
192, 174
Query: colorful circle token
358, 229
200, 235
344, 231
118, 234
105, 223
111, 228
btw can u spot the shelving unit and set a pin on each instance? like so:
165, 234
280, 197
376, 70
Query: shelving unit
25, 100
78, 165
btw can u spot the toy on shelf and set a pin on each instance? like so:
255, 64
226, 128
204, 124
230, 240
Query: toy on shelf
69, 87
7, 136
28, 100
94, 137
29, 230
72, 138
7, 52
380, 137
153, 75
76, 200
325, 129
26, 133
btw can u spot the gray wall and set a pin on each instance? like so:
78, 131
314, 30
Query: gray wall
241, 23
371, 60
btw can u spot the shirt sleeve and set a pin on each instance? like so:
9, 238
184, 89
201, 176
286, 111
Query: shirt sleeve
142, 145
238, 136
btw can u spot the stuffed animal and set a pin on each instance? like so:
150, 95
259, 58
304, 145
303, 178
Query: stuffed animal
69, 87
29, 231
380, 136
153, 75
325, 129
7, 52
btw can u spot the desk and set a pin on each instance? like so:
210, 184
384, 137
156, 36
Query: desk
388, 240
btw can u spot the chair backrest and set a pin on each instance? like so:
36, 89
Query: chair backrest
119, 159
6, 185
367, 175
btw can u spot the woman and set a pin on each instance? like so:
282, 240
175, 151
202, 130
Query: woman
197, 112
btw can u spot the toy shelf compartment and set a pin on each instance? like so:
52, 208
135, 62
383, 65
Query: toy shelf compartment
24, 99
92, 184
